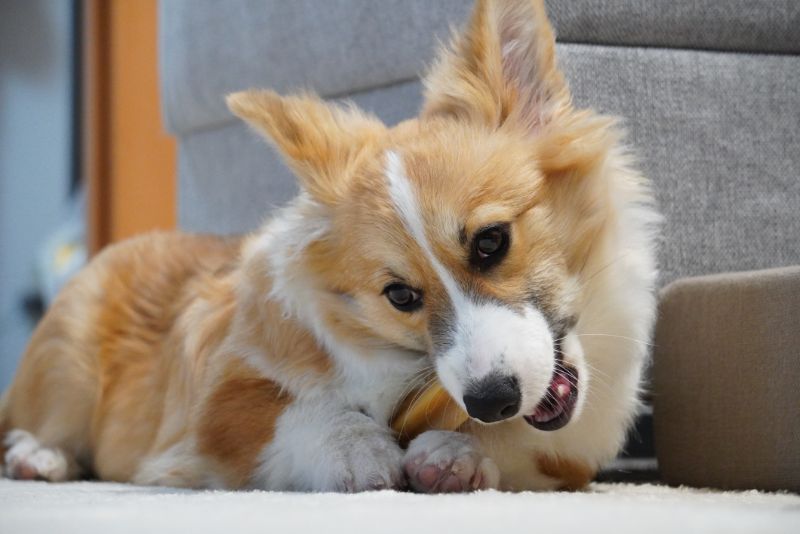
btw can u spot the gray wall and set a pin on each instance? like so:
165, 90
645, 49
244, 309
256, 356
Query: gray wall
35, 110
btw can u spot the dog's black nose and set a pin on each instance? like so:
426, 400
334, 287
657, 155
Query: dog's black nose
493, 398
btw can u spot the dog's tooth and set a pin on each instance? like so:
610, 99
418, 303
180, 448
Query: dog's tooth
542, 415
562, 390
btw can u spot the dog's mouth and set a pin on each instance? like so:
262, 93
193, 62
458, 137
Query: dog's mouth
555, 409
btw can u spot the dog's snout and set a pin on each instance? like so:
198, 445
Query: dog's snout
493, 398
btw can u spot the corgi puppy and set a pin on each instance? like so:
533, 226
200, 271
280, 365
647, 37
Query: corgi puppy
499, 246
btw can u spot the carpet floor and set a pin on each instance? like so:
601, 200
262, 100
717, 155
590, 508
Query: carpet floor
92, 507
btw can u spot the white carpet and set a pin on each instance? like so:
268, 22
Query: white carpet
87, 507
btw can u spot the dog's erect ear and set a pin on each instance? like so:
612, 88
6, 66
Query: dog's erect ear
501, 69
321, 142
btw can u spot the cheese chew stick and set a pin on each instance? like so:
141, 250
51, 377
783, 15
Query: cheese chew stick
429, 409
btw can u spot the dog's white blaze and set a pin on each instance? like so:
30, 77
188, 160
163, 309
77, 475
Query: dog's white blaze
406, 203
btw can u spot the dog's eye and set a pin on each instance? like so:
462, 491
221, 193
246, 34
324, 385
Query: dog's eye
403, 297
489, 246
489, 242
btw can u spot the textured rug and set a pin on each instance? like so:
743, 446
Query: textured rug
90, 507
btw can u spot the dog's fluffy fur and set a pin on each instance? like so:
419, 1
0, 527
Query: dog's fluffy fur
276, 360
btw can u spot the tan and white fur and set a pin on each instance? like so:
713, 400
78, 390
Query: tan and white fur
277, 360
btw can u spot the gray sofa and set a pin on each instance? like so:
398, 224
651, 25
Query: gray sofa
710, 93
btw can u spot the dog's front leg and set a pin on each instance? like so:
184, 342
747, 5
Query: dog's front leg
439, 461
321, 444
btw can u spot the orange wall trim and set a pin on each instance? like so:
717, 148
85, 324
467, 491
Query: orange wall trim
130, 159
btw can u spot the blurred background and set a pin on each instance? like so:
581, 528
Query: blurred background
84, 158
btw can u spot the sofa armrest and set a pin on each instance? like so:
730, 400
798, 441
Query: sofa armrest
726, 381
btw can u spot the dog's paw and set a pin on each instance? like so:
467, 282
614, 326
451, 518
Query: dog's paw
447, 462
361, 456
27, 459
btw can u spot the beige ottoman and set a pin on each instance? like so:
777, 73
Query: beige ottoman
726, 381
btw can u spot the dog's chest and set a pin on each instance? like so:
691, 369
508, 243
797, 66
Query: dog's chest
377, 381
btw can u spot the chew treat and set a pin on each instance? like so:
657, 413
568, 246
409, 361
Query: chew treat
430, 408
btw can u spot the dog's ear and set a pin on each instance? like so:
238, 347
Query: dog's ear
320, 142
501, 70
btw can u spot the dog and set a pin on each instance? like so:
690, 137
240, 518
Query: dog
502, 245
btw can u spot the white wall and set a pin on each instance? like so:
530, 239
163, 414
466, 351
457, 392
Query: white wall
35, 111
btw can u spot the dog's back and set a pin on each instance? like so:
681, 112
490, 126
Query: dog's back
95, 376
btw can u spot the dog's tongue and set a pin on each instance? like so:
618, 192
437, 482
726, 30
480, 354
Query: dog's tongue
555, 401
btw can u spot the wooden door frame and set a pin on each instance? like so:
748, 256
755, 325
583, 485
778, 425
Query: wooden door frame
95, 118
129, 162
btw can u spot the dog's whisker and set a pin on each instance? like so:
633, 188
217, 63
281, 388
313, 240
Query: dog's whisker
618, 337
417, 380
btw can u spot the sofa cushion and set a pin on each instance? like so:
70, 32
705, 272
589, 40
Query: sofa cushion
718, 135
